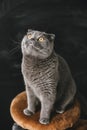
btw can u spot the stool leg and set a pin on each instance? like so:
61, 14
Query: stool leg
16, 127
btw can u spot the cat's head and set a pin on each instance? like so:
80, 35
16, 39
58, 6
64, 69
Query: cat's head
38, 44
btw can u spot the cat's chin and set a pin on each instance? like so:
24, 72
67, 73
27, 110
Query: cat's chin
36, 56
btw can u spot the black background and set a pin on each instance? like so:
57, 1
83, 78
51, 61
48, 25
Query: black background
66, 18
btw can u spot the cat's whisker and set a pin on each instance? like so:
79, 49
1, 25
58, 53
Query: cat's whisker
15, 42
14, 50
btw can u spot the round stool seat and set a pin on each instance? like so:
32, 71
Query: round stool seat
81, 124
58, 121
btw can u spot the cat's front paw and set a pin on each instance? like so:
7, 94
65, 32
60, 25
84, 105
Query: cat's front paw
60, 111
44, 121
27, 112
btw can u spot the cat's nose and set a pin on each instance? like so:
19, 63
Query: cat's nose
29, 43
32, 39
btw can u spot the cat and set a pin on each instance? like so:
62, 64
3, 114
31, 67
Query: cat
47, 76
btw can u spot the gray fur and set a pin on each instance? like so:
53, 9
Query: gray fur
46, 75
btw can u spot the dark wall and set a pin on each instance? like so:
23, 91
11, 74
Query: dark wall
66, 18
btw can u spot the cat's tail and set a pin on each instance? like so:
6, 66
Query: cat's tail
83, 104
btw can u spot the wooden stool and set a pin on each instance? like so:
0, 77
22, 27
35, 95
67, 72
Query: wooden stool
80, 125
58, 121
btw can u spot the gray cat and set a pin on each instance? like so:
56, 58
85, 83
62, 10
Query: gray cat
46, 75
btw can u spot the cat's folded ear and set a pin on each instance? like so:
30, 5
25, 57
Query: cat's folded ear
51, 36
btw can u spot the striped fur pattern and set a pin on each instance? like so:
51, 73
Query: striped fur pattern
46, 75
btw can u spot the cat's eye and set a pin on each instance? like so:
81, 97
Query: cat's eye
41, 39
29, 36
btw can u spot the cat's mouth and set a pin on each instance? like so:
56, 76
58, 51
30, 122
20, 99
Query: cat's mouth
31, 46
37, 49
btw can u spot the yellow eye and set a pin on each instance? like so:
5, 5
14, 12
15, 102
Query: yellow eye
29, 36
41, 39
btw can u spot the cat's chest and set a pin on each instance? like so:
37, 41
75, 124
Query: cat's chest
41, 73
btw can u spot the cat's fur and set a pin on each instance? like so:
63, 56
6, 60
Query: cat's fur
46, 75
